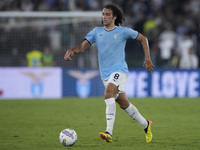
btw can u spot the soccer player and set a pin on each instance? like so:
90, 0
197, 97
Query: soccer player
111, 40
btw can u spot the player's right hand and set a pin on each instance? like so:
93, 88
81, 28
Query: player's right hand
68, 55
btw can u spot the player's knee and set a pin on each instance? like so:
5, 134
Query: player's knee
111, 91
109, 94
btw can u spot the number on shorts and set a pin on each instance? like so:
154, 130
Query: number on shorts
116, 76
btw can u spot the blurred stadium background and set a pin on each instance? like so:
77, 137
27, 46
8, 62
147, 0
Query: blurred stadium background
31, 28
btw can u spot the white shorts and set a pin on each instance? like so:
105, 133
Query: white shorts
117, 78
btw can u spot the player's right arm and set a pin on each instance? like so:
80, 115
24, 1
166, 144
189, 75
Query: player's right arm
78, 49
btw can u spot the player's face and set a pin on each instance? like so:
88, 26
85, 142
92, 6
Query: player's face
107, 17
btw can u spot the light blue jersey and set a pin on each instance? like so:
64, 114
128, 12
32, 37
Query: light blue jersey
111, 48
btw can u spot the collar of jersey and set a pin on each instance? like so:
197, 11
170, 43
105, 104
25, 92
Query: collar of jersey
111, 29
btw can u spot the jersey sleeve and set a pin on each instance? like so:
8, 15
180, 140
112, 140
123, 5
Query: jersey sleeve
131, 34
91, 36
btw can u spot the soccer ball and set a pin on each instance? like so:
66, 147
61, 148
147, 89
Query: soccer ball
68, 137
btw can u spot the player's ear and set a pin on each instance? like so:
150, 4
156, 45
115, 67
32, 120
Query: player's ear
114, 18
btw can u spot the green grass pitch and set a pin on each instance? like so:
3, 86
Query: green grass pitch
36, 124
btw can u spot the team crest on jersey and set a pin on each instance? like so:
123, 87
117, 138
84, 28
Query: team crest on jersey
115, 35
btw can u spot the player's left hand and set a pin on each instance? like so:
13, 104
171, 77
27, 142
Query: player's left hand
149, 65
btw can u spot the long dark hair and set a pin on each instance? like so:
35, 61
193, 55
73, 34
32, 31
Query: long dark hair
116, 12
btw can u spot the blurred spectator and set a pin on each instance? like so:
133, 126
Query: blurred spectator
167, 41
93, 4
139, 6
47, 58
55, 39
26, 5
175, 58
34, 58
53, 5
150, 29
15, 58
182, 27
194, 6
149, 25
189, 61
184, 44
139, 25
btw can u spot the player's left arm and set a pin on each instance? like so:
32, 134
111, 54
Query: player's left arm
145, 44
